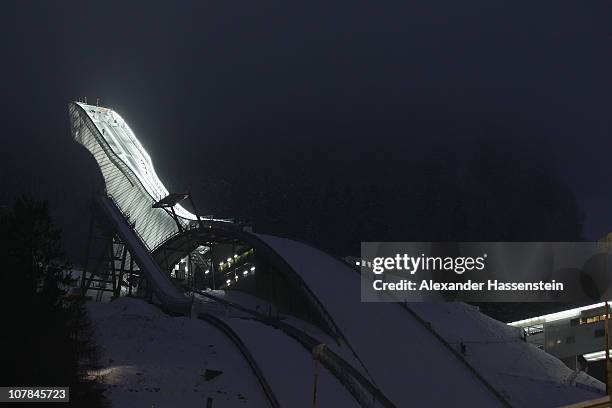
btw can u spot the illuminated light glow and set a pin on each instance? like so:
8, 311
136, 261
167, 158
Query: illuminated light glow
207, 272
236, 277
565, 314
357, 263
235, 255
127, 147
252, 268
229, 281
229, 260
596, 356
245, 273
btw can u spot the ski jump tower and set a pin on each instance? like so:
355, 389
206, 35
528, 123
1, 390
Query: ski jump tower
385, 354
156, 246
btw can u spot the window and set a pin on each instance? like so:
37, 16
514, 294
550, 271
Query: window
539, 328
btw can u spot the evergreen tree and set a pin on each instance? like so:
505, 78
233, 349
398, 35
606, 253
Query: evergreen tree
46, 338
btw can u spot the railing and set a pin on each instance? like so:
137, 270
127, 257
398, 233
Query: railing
364, 392
126, 217
173, 234
267, 251
231, 334
498, 395
166, 238
172, 299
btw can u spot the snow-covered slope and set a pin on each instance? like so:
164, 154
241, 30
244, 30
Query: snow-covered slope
290, 368
526, 375
410, 364
258, 305
404, 359
150, 359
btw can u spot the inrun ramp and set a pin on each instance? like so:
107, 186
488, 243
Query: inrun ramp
169, 296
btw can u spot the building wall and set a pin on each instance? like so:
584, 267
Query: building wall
566, 338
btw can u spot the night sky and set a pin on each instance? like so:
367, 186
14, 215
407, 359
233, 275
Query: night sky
215, 90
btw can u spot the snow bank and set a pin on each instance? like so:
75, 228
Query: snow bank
289, 367
411, 366
524, 373
152, 360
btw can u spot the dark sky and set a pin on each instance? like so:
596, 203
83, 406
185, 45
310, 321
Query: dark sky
213, 88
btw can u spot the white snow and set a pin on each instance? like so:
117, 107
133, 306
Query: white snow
290, 368
171, 297
411, 366
150, 359
255, 304
526, 374
293, 383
